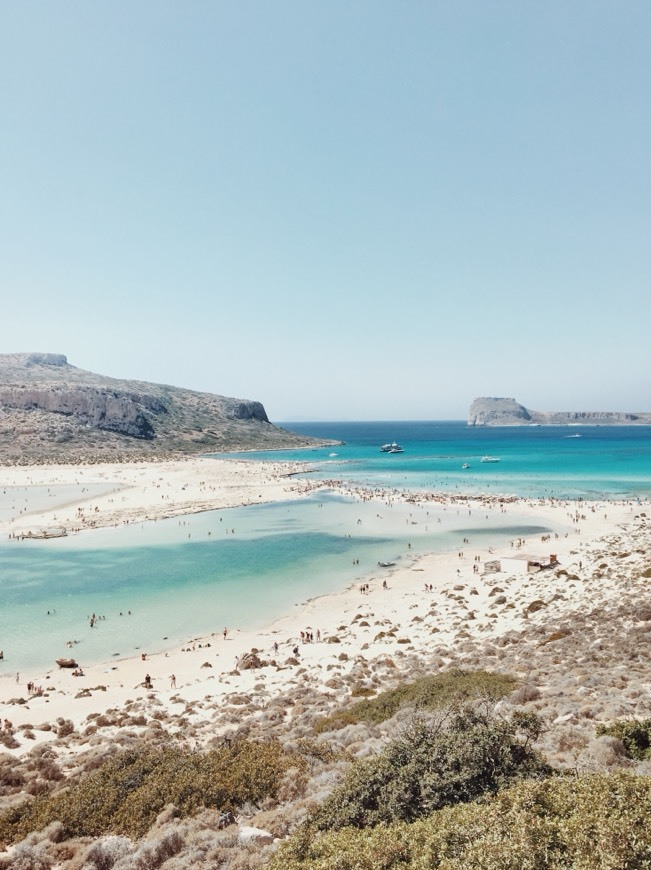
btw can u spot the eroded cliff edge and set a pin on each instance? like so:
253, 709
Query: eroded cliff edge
51, 411
494, 411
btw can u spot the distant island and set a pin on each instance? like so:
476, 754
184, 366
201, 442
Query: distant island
492, 411
51, 411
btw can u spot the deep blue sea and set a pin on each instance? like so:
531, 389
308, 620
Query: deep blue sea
280, 554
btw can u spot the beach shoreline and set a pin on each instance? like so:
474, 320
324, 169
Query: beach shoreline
382, 616
142, 491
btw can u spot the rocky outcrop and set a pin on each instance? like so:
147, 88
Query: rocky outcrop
493, 411
125, 413
53, 411
497, 412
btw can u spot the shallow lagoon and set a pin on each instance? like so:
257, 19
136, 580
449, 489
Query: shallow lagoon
193, 576
182, 578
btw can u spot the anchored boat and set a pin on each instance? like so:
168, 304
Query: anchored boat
391, 448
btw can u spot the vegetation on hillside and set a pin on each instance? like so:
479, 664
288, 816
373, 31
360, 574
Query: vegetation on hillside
447, 760
449, 782
128, 792
635, 736
593, 822
433, 692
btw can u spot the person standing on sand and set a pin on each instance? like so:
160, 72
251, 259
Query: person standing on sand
173, 681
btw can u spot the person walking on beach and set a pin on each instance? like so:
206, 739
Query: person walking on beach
173, 681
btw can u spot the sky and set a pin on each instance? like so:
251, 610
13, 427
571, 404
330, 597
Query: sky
359, 210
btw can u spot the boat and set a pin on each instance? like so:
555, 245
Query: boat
386, 564
465, 465
490, 459
391, 448
67, 663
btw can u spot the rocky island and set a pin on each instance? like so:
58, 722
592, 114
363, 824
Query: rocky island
51, 411
492, 411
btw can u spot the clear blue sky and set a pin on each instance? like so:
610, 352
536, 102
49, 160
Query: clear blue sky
346, 210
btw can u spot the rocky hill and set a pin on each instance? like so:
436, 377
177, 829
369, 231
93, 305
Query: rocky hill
491, 411
51, 411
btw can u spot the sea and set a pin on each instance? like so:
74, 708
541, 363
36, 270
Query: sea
159, 584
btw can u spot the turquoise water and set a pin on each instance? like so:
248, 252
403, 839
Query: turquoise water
244, 567
562, 461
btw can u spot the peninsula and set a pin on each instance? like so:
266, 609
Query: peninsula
492, 411
51, 411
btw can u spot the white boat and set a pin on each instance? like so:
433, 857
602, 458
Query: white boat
490, 459
465, 465
391, 448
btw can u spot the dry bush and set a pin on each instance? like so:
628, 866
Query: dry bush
65, 728
570, 739
105, 853
7, 739
525, 694
153, 852
12, 777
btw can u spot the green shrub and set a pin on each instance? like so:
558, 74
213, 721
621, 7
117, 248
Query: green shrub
126, 794
636, 736
433, 765
596, 822
427, 693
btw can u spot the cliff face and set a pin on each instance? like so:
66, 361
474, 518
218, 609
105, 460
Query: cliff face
492, 411
497, 412
115, 411
52, 411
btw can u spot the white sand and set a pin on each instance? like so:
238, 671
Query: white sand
420, 620
143, 491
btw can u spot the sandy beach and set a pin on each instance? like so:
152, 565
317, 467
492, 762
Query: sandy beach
101, 496
428, 608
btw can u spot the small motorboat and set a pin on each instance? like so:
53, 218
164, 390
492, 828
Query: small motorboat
490, 459
391, 448
465, 465
386, 564
67, 663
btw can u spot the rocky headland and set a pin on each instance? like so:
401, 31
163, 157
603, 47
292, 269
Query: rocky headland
51, 411
493, 411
